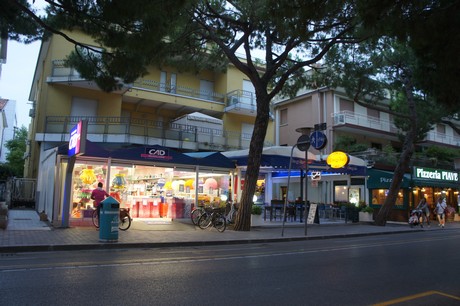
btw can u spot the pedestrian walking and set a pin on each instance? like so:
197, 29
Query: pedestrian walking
423, 206
440, 210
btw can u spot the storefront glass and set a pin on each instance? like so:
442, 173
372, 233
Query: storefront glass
379, 196
148, 191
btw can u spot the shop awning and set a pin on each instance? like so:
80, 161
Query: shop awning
432, 183
211, 159
379, 179
158, 154
153, 153
274, 157
92, 149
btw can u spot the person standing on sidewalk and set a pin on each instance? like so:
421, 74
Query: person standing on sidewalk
98, 195
440, 210
423, 206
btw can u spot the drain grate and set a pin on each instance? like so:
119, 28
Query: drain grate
22, 219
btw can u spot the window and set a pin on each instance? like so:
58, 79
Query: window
83, 108
206, 89
441, 129
346, 105
284, 116
373, 113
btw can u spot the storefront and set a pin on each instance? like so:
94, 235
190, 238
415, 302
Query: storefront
378, 183
422, 182
153, 182
325, 185
432, 183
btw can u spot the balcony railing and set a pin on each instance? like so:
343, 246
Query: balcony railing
152, 85
347, 117
241, 100
144, 131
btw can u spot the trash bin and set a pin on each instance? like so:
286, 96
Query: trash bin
108, 223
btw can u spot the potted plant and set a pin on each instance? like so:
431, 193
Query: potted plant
256, 215
366, 214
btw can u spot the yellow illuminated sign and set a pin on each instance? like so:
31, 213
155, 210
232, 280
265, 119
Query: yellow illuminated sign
337, 159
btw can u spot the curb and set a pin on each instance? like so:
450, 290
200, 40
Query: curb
153, 245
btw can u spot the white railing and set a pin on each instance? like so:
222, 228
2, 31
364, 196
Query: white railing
347, 117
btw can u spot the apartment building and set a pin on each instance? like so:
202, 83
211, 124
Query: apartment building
375, 129
167, 108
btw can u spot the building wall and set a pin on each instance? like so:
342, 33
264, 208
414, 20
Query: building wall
55, 98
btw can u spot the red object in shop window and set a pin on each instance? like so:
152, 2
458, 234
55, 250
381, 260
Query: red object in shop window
144, 210
154, 209
177, 210
163, 210
135, 209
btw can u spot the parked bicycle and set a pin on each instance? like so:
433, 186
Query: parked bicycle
124, 221
196, 213
231, 216
214, 217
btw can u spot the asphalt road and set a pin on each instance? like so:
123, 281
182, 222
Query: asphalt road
406, 269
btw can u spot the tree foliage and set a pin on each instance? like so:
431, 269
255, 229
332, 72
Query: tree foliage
17, 148
196, 35
15, 23
292, 36
385, 69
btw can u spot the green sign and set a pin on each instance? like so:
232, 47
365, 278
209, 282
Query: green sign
435, 174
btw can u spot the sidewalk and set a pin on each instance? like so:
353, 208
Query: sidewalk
25, 233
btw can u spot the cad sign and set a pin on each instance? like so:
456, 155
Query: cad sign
318, 140
155, 153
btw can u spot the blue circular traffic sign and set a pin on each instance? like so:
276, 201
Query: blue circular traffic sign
318, 140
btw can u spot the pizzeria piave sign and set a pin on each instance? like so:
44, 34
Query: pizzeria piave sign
435, 174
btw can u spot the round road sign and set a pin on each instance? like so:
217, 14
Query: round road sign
303, 143
318, 140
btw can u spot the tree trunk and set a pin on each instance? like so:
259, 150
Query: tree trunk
404, 159
243, 219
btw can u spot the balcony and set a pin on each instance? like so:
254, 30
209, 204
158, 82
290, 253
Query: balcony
145, 132
352, 122
241, 102
371, 126
168, 96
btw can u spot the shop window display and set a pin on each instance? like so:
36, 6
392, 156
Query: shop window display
379, 196
85, 179
148, 191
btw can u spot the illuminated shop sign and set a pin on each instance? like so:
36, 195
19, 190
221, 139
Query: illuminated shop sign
338, 159
156, 153
77, 141
435, 174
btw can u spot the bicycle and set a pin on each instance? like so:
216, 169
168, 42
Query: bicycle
196, 214
231, 216
214, 218
124, 221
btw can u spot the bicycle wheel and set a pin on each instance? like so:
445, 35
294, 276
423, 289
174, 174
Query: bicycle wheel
195, 215
231, 216
124, 222
219, 223
205, 221
95, 219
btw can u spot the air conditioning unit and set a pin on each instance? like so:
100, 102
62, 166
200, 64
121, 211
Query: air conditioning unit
32, 113
234, 100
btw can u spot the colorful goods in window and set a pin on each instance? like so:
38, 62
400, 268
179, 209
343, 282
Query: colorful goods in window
119, 182
87, 176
